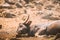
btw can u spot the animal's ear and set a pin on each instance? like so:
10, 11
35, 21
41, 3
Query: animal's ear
29, 22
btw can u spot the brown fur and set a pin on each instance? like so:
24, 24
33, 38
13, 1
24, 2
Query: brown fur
54, 28
51, 29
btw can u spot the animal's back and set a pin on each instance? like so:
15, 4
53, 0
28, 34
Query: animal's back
54, 28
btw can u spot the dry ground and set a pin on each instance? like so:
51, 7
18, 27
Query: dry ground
40, 11
34, 38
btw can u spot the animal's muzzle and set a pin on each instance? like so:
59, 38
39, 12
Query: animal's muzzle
23, 31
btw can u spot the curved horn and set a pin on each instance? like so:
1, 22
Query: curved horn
26, 19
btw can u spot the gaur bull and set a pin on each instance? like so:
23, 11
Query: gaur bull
51, 28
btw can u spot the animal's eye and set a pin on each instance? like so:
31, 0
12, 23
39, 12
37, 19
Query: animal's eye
21, 26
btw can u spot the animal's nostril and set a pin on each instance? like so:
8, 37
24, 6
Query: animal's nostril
0, 26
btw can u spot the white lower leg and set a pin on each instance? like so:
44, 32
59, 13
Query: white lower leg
37, 33
7, 39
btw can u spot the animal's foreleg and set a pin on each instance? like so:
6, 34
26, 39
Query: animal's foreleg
39, 31
7, 39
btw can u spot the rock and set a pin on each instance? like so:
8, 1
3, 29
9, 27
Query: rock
49, 7
19, 5
2, 2
7, 6
7, 15
11, 1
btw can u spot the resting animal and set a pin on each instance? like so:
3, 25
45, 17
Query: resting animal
51, 28
24, 28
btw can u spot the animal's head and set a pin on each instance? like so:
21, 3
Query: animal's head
22, 29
